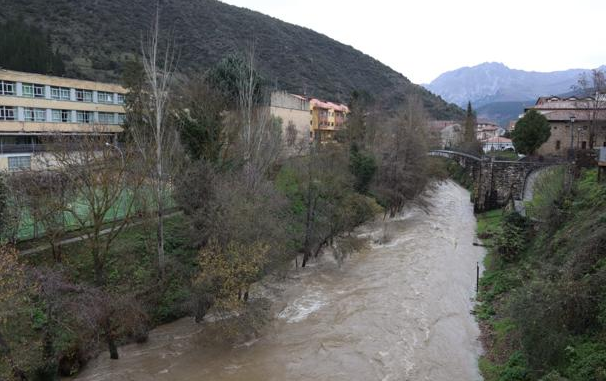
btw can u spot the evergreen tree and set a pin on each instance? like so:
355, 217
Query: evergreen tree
531, 131
28, 49
470, 125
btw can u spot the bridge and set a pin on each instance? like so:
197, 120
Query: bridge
495, 182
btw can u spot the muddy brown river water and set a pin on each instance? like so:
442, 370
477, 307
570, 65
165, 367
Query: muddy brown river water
397, 311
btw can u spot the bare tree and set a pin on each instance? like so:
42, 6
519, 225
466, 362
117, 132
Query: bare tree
103, 189
402, 153
44, 196
592, 87
260, 140
155, 137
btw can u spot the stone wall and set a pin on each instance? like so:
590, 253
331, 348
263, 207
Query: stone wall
560, 132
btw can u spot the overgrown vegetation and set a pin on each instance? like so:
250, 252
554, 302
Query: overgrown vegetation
246, 210
542, 295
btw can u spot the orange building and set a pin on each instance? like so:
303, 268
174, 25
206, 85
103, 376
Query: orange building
326, 119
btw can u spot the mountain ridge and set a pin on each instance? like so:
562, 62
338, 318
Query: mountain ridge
96, 37
493, 88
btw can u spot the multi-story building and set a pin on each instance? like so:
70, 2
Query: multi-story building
326, 119
571, 120
36, 108
310, 118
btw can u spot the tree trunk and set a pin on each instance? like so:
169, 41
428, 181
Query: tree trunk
97, 263
111, 342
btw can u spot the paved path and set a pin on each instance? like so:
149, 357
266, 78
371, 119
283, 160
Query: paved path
83, 237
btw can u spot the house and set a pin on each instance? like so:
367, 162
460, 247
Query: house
487, 130
497, 143
445, 133
572, 121
326, 119
36, 108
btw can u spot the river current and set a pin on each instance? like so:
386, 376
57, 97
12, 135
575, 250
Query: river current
394, 311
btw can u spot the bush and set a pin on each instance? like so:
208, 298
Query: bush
516, 368
587, 362
511, 240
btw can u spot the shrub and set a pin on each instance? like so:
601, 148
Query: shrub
511, 240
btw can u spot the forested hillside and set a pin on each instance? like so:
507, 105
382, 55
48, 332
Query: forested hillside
96, 37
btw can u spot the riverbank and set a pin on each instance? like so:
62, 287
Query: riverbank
541, 308
398, 310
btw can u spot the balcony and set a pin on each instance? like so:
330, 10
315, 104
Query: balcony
36, 147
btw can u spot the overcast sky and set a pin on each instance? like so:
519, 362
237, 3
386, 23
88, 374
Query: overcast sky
424, 38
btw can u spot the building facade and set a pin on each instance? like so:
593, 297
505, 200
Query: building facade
36, 108
487, 130
445, 133
294, 111
571, 121
498, 143
326, 119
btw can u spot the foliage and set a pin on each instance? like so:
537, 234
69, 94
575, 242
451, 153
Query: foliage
27, 48
531, 131
4, 212
363, 167
228, 271
553, 294
402, 173
511, 240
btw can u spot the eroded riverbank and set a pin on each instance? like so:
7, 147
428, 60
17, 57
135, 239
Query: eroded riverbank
399, 311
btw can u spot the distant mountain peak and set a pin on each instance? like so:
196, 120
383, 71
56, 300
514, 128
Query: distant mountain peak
500, 91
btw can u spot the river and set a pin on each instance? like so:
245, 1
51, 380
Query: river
394, 311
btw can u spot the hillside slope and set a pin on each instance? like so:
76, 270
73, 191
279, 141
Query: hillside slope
95, 37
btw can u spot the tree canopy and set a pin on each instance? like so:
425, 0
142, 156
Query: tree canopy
28, 49
531, 131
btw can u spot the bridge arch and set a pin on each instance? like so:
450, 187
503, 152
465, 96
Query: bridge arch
496, 182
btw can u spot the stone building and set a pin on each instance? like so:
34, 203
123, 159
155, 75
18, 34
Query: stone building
571, 120
445, 133
35, 109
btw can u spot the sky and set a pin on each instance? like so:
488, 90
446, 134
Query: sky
425, 38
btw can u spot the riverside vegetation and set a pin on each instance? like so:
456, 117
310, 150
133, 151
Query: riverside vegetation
542, 297
247, 210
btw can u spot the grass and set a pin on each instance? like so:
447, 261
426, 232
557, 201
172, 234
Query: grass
130, 265
503, 155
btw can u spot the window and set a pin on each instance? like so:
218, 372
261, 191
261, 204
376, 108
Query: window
583, 145
61, 93
28, 90
35, 114
103, 97
121, 118
63, 116
84, 116
106, 118
557, 144
19, 163
84, 95
38, 91
7, 88
7, 113
120, 98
